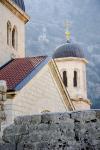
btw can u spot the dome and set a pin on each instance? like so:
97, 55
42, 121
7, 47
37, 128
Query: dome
68, 50
20, 3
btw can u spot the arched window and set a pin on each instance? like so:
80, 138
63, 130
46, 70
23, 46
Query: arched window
14, 38
75, 79
8, 33
65, 78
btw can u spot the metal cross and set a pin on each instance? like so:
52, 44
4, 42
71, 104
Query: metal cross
67, 25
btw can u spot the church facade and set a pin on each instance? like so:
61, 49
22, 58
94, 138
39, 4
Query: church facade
38, 84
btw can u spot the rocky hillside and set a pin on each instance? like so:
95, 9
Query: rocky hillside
46, 30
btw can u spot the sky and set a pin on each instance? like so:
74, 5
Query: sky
49, 16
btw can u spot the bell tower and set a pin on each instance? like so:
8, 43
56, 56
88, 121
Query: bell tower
12, 31
71, 63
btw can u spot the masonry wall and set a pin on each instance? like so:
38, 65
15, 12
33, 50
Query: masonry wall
8, 112
5, 50
40, 94
58, 131
70, 65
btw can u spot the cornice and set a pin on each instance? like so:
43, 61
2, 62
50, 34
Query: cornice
71, 59
83, 100
16, 10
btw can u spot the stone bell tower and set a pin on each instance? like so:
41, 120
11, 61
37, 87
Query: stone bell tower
12, 29
71, 63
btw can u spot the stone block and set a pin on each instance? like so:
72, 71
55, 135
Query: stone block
7, 146
9, 130
55, 118
83, 115
97, 114
20, 146
29, 146
36, 119
13, 134
2, 115
11, 139
63, 131
23, 120
42, 146
32, 137
42, 127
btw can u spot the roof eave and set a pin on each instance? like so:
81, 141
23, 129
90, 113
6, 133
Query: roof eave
32, 74
10, 92
16, 10
71, 59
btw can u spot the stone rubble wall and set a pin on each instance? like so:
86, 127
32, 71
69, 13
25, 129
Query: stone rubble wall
59, 131
2, 113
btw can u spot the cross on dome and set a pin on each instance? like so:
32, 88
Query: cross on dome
67, 32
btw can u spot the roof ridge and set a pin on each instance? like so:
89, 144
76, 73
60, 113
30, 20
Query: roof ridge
31, 57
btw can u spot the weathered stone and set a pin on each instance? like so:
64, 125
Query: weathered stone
43, 146
84, 115
36, 119
7, 146
23, 120
13, 133
29, 146
11, 139
97, 114
55, 118
9, 130
20, 146
43, 127
2, 115
60, 131
33, 137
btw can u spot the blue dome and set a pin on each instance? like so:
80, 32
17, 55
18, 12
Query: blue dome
68, 50
20, 3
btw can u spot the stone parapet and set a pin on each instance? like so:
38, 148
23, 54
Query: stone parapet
54, 131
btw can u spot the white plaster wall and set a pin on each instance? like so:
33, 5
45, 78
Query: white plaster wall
70, 66
5, 50
38, 95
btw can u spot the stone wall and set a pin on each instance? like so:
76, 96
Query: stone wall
2, 118
59, 131
76, 64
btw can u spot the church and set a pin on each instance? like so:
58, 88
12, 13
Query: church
38, 84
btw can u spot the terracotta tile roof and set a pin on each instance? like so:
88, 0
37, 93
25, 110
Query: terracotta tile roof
18, 69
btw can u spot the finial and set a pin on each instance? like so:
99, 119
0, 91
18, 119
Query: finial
67, 33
